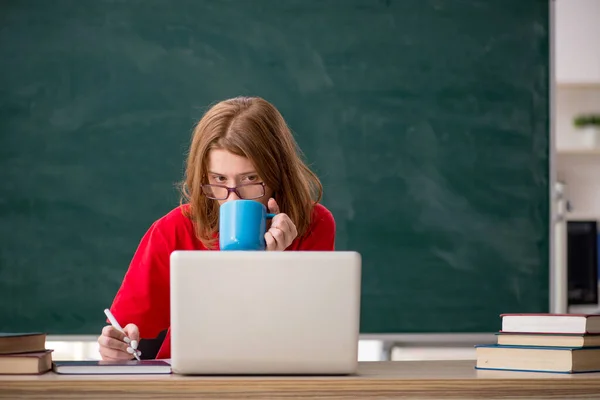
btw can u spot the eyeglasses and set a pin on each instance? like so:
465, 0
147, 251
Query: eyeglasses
248, 191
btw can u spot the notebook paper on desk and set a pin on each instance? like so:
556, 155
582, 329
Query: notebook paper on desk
94, 367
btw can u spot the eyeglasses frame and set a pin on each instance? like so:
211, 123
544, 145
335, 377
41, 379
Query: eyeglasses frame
234, 190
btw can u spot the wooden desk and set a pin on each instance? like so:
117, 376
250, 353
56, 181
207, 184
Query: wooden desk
399, 379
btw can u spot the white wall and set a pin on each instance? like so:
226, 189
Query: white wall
580, 171
577, 61
577, 41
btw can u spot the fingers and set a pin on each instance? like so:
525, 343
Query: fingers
108, 352
270, 241
273, 206
281, 233
133, 333
112, 332
113, 346
283, 222
279, 237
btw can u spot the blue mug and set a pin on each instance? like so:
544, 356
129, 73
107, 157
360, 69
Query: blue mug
242, 225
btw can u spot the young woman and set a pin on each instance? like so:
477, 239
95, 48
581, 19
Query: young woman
240, 149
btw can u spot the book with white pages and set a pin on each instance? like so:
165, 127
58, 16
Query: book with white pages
101, 367
551, 323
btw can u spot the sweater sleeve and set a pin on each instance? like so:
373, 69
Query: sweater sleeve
143, 298
321, 234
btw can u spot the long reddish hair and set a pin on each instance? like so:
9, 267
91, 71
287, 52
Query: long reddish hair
250, 127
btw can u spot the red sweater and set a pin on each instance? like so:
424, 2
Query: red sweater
143, 298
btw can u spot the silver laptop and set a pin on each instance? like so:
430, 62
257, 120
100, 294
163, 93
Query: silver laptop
260, 312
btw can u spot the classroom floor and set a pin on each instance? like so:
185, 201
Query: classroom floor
86, 348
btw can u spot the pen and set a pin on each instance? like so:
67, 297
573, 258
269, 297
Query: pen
116, 325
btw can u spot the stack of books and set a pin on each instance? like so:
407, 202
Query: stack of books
566, 343
24, 353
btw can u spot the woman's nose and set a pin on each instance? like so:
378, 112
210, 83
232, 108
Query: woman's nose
232, 196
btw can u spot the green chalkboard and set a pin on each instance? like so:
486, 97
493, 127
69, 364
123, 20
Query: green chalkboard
427, 121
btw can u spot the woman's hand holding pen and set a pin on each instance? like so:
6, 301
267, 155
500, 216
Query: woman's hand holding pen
117, 345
